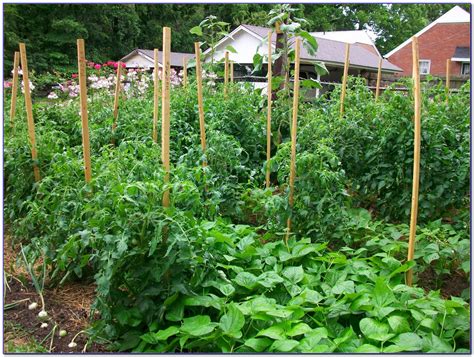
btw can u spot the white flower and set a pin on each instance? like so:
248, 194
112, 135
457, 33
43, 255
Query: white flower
72, 345
43, 315
44, 325
32, 306
52, 95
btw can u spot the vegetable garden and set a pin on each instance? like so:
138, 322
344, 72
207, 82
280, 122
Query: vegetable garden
197, 256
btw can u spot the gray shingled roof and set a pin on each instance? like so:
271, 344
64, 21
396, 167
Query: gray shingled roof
330, 51
176, 58
462, 52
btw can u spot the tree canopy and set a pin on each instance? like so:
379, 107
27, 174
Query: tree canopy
113, 30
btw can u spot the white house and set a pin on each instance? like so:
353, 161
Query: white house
140, 58
363, 55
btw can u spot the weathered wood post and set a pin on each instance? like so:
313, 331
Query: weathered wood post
269, 110
296, 91
81, 63
379, 77
226, 73
185, 73
29, 111
344, 79
16, 62
165, 112
117, 96
416, 157
197, 50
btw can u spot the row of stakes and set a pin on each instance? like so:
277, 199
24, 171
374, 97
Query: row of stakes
164, 93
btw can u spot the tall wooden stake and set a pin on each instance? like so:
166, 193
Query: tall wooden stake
29, 111
185, 73
226, 73
81, 63
16, 62
269, 110
379, 77
165, 112
231, 72
296, 91
448, 77
156, 96
344, 79
197, 50
416, 157
117, 94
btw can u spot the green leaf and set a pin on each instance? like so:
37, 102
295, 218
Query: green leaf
398, 324
196, 30
299, 329
269, 279
231, 49
274, 332
344, 287
226, 289
258, 344
311, 43
366, 348
433, 344
247, 280
294, 274
232, 322
206, 301
197, 325
283, 345
164, 334
409, 341
374, 329
176, 311
383, 296
257, 62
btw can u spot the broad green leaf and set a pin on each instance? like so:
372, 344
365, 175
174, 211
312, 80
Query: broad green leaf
433, 344
231, 49
374, 329
196, 30
226, 289
299, 329
383, 296
294, 274
409, 341
258, 344
398, 324
283, 345
150, 338
206, 301
366, 348
232, 322
247, 280
274, 332
269, 279
164, 334
197, 325
344, 287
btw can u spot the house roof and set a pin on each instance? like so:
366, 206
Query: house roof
334, 52
455, 15
351, 36
462, 54
176, 58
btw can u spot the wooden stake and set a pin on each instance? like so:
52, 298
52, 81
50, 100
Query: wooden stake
197, 50
185, 72
379, 77
296, 91
231, 72
29, 111
156, 96
344, 79
416, 157
117, 93
448, 77
16, 62
269, 110
226, 73
165, 112
81, 63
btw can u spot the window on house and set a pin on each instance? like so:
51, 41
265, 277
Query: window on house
465, 69
425, 66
